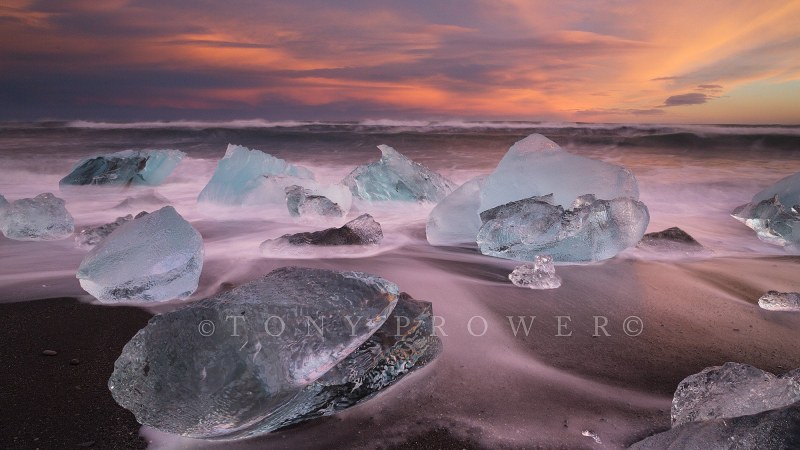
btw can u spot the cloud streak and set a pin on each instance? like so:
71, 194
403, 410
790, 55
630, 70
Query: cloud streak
504, 59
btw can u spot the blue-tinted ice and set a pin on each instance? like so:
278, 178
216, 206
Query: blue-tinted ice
591, 231
774, 213
42, 218
395, 177
534, 166
155, 257
144, 167
253, 358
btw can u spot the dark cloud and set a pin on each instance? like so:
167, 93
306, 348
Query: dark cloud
665, 78
709, 86
694, 98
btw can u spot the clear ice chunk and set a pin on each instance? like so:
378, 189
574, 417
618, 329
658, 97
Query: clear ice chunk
732, 390
241, 177
156, 257
361, 231
143, 167
774, 429
91, 236
539, 275
42, 218
245, 359
395, 177
532, 167
303, 202
595, 230
404, 343
772, 221
780, 301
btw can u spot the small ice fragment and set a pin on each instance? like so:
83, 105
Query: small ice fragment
539, 275
155, 257
732, 390
42, 218
146, 167
395, 177
302, 202
592, 435
780, 301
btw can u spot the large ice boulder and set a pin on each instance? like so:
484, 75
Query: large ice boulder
262, 355
532, 167
395, 177
774, 213
404, 343
591, 230
90, 236
42, 218
156, 257
145, 167
303, 202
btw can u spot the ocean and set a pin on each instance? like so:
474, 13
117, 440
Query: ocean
494, 385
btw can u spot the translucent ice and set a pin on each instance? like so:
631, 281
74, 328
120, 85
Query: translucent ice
593, 230
147, 167
156, 257
395, 177
363, 230
455, 219
534, 166
245, 360
303, 202
772, 221
780, 301
732, 390
244, 176
774, 429
404, 343
539, 275
42, 218
91, 236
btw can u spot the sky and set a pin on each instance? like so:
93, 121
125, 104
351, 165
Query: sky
601, 61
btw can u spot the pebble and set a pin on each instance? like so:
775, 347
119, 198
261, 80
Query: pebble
49, 353
74, 361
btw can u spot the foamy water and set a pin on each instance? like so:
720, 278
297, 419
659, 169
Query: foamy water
490, 385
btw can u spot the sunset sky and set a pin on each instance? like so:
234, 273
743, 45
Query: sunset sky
605, 61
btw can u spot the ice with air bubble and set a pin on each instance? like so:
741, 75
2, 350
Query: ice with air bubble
128, 167
156, 257
395, 177
274, 338
539, 275
533, 167
41, 218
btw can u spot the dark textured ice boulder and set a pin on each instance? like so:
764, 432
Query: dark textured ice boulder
670, 240
361, 231
42, 218
296, 344
777, 429
129, 167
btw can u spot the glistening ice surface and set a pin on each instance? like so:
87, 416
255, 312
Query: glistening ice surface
492, 389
